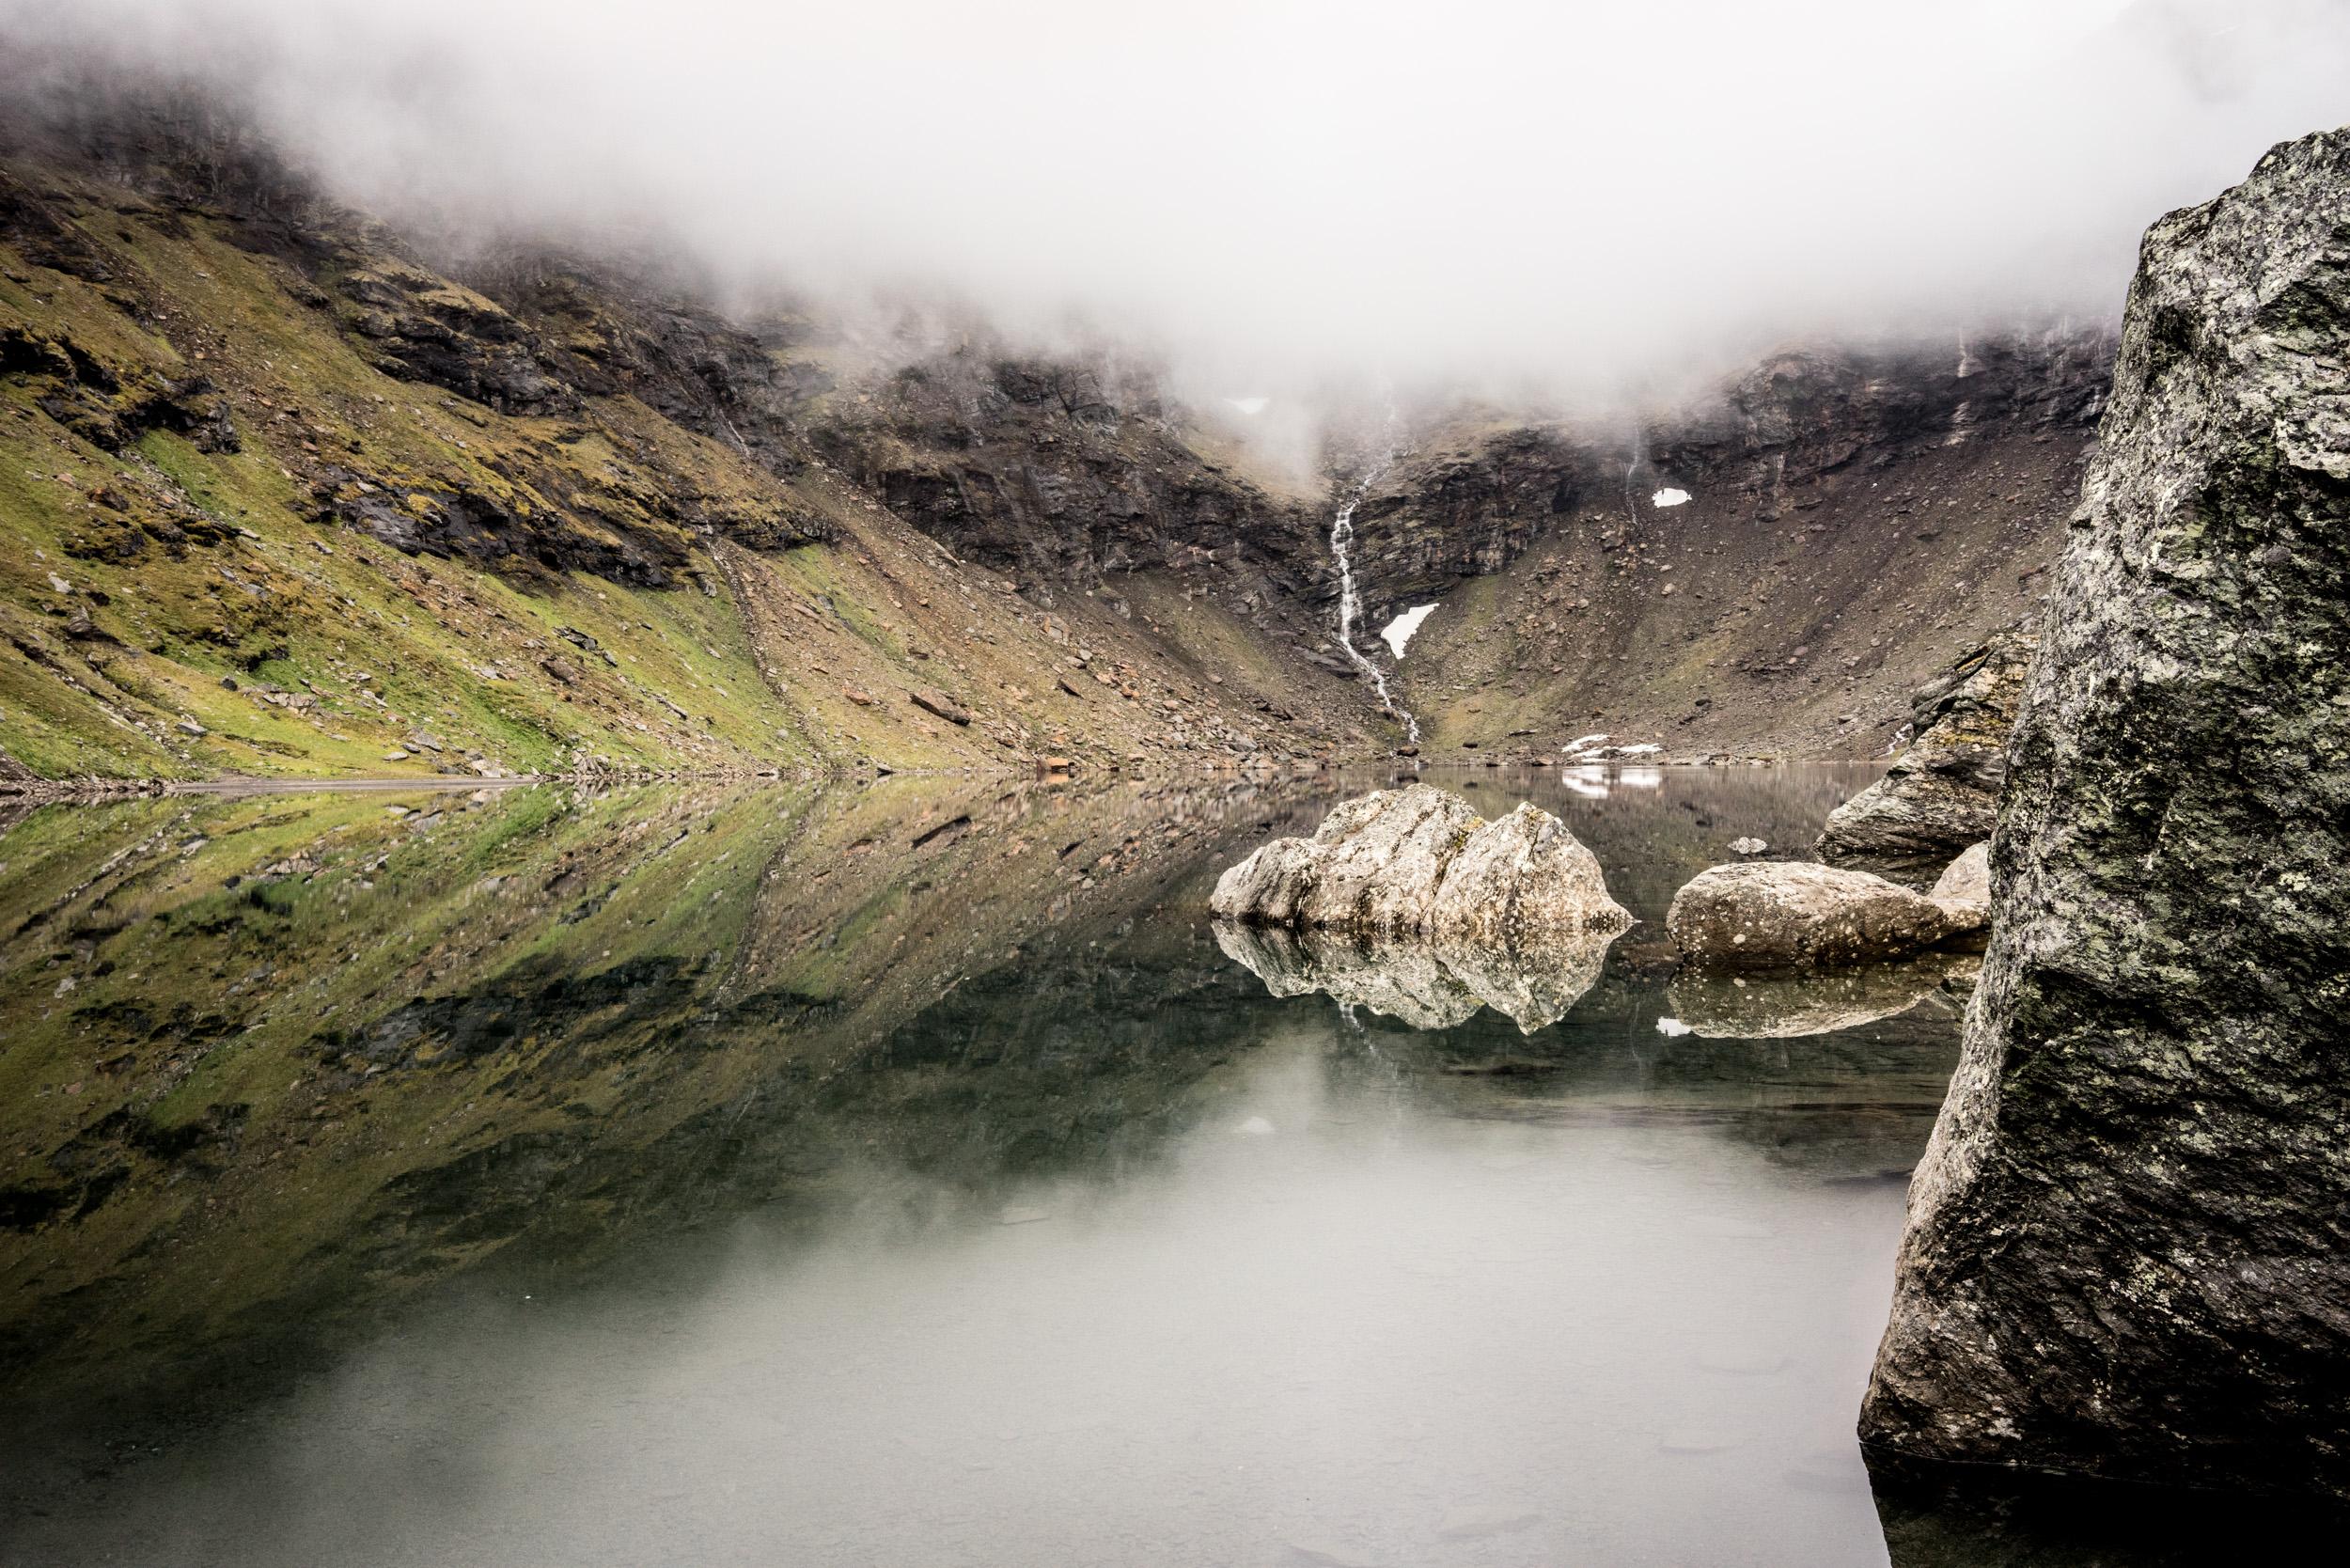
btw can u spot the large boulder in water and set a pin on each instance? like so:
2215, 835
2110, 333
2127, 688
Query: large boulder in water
1420, 859
1792, 915
2128, 1252
1942, 794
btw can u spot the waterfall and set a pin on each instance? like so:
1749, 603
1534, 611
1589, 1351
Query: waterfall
1350, 603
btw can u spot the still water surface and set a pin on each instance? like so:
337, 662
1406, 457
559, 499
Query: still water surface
911, 1176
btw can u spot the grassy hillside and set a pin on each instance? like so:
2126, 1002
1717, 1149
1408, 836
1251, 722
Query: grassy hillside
252, 529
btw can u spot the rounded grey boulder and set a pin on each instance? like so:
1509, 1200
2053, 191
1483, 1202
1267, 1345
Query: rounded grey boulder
1420, 859
1792, 914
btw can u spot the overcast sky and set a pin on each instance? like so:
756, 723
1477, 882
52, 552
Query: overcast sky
1585, 195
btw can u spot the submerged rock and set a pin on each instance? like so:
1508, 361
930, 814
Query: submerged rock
1792, 915
1943, 792
1420, 859
1430, 983
2128, 1252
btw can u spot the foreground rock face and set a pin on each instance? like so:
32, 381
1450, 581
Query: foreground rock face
1420, 860
2128, 1252
1943, 792
1791, 915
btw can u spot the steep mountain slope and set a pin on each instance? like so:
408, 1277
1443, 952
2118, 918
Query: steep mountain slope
282, 499
283, 496
1851, 523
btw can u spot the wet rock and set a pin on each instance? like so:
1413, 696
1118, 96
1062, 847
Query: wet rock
1943, 792
1791, 915
1420, 860
2128, 1250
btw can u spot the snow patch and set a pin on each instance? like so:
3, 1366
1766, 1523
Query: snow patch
1669, 496
1671, 1027
1399, 631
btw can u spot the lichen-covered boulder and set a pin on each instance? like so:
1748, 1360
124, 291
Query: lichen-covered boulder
1792, 914
1420, 859
1522, 872
2128, 1252
1942, 794
1373, 865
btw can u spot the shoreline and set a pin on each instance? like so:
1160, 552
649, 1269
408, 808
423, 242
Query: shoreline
100, 791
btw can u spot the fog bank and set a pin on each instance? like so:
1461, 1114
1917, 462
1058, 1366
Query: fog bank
1584, 198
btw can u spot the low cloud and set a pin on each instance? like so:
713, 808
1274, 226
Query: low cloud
1497, 192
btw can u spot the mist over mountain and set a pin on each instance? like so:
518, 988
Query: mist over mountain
1523, 199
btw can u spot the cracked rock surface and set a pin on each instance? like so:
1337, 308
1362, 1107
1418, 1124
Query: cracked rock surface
1942, 794
2128, 1252
1420, 860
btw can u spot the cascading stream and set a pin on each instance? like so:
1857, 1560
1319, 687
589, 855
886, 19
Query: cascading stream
1351, 604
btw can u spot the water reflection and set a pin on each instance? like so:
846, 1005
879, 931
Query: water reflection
1430, 983
901, 1174
1780, 1007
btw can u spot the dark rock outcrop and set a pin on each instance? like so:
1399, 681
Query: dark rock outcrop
1943, 792
1773, 439
1058, 472
2128, 1252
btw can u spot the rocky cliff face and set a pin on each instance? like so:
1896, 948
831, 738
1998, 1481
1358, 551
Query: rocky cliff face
2129, 1243
1852, 524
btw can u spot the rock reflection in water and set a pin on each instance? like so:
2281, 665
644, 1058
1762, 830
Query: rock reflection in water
1428, 983
1783, 1006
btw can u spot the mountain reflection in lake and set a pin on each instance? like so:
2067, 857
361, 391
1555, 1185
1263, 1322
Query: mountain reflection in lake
904, 1175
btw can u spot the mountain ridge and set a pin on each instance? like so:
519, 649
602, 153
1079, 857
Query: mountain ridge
258, 445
